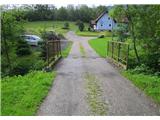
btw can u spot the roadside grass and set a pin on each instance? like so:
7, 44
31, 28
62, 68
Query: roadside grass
93, 33
94, 95
148, 83
57, 26
82, 51
22, 95
67, 50
100, 45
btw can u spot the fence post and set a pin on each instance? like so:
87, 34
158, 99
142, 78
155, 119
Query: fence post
112, 49
119, 50
127, 57
60, 47
47, 51
108, 48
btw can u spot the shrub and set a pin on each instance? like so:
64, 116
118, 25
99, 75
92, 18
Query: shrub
61, 36
22, 48
89, 29
81, 26
77, 22
101, 36
66, 25
24, 64
49, 35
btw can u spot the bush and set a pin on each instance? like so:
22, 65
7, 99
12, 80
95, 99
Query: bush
77, 22
89, 29
24, 64
49, 35
66, 25
22, 48
61, 36
81, 26
101, 36
142, 69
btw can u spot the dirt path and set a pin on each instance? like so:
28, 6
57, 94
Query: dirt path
88, 85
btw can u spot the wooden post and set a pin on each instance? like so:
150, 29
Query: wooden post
112, 49
119, 49
127, 56
47, 48
60, 47
108, 48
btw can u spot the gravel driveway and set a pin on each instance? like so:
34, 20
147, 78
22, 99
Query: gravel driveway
71, 92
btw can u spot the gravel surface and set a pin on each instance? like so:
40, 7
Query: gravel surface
68, 93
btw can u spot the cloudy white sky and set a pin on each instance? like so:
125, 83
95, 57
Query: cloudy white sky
59, 3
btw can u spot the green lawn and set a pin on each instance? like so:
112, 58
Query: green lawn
93, 33
22, 95
148, 83
36, 27
100, 45
66, 51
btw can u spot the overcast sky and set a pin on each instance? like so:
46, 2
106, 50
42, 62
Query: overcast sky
59, 3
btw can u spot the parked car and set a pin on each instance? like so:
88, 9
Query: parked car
32, 39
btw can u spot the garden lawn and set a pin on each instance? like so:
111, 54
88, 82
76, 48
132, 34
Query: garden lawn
37, 26
148, 83
22, 95
100, 45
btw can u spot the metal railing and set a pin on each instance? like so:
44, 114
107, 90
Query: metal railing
119, 53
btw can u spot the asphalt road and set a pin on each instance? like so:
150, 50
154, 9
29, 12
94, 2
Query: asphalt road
68, 95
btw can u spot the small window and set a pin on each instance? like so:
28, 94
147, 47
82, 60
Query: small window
110, 25
101, 24
108, 18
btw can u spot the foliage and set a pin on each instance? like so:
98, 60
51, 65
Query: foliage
50, 12
22, 48
148, 83
81, 26
66, 25
143, 30
66, 51
100, 45
22, 95
24, 64
121, 31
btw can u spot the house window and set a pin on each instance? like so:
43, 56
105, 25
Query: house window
101, 24
109, 25
108, 18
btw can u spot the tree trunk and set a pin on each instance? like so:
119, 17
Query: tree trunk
133, 35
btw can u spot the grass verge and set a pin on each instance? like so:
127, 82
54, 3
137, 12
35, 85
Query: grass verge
94, 96
22, 95
66, 51
100, 45
148, 83
82, 51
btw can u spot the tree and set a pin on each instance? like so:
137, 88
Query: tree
11, 31
81, 26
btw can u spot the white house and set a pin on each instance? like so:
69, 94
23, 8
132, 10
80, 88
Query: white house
103, 22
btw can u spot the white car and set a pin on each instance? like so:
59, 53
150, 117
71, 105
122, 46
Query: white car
32, 39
